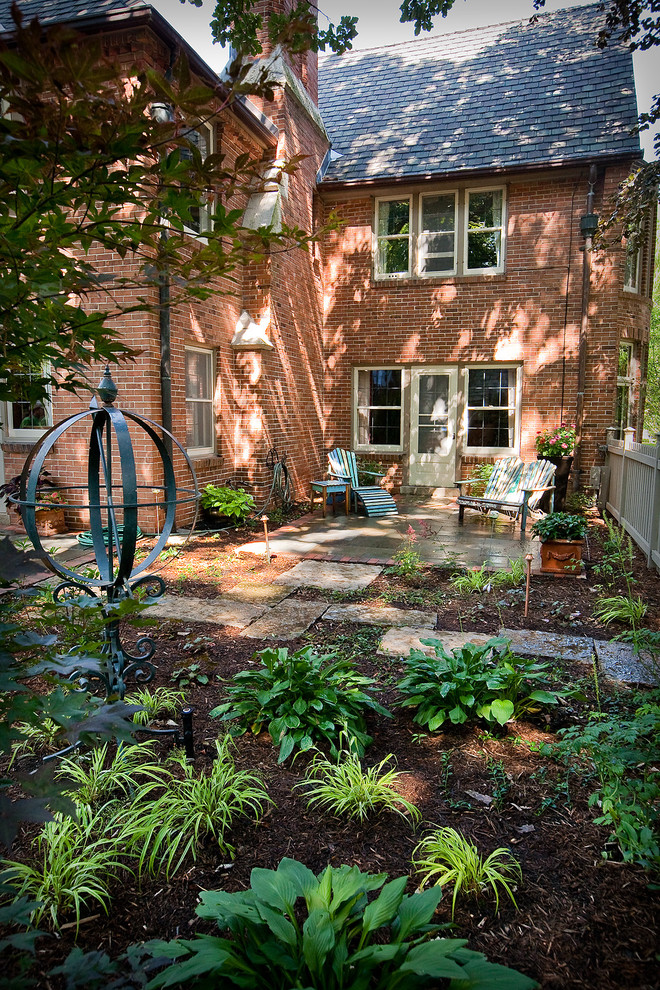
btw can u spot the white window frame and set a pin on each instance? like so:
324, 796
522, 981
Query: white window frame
205, 208
201, 451
33, 433
383, 448
421, 254
493, 270
632, 277
627, 382
488, 451
385, 276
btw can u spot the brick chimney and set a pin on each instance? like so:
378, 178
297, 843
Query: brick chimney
304, 65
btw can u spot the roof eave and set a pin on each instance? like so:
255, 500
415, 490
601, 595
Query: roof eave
260, 125
327, 185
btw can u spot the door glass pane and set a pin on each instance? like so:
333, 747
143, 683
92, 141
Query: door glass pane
433, 418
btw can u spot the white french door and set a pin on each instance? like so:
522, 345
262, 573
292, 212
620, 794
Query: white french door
433, 427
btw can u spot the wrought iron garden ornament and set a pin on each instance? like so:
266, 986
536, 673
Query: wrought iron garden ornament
110, 455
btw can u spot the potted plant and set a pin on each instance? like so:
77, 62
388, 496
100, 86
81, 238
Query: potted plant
223, 504
49, 504
557, 445
561, 536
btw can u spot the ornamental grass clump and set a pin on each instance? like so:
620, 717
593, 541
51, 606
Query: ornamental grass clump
347, 790
446, 858
303, 700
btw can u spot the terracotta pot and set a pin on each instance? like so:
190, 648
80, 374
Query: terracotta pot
51, 521
561, 557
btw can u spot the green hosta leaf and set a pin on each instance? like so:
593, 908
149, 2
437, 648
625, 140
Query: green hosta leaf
306, 743
502, 710
280, 926
480, 974
546, 697
457, 715
318, 938
299, 875
286, 748
275, 889
416, 911
300, 706
382, 910
431, 959
435, 722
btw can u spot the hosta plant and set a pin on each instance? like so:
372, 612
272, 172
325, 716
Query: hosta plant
162, 829
340, 929
77, 860
447, 858
303, 700
473, 682
347, 790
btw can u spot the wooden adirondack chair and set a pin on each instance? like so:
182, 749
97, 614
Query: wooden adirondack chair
375, 500
513, 488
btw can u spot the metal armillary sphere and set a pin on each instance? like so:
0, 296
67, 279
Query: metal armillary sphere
112, 488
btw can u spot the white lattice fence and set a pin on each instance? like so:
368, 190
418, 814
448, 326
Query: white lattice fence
634, 492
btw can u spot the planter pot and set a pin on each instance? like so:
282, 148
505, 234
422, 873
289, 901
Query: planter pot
215, 519
563, 470
561, 557
50, 522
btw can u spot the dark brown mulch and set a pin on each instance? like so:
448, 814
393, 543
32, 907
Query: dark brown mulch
582, 922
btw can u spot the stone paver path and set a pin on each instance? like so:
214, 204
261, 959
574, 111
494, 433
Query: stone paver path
266, 594
221, 611
531, 643
373, 616
399, 642
329, 575
619, 661
288, 620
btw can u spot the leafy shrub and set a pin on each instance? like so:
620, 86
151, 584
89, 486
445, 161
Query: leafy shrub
623, 755
346, 789
337, 938
627, 609
474, 682
302, 700
235, 503
447, 857
78, 860
173, 824
560, 526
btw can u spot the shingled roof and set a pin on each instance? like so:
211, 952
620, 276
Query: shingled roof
49, 11
506, 96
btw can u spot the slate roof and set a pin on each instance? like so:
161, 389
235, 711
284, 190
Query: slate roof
506, 96
67, 10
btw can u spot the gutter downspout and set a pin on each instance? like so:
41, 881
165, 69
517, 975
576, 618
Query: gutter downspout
588, 226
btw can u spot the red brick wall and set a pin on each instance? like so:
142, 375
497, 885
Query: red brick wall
521, 316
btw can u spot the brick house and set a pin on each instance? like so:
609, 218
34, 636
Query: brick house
454, 313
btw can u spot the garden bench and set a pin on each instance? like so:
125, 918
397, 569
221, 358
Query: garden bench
513, 488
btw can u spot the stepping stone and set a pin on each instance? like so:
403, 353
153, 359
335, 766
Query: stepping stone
620, 662
399, 642
288, 620
220, 611
373, 616
266, 594
531, 643
326, 574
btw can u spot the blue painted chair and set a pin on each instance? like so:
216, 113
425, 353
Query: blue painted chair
375, 501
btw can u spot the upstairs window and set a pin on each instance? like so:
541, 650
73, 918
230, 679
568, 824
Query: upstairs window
491, 408
200, 416
484, 230
378, 405
436, 243
631, 275
199, 216
393, 254
624, 388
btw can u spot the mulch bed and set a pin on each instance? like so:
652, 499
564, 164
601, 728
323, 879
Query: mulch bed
581, 921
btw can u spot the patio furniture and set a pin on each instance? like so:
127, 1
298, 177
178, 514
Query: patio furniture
513, 488
329, 488
375, 500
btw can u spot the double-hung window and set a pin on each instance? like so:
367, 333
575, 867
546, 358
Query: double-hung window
393, 238
200, 417
484, 214
199, 214
378, 408
491, 408
27, 418
436, 242
624, 388
631, 277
